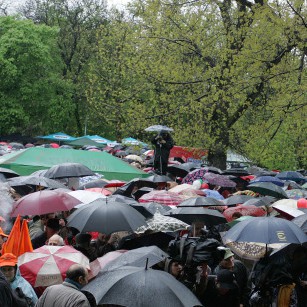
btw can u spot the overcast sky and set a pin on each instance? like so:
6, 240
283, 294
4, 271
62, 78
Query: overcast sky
118, 3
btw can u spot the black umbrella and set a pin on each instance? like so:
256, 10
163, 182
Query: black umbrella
156, 179
149, 209
35, 181
201, 201
236, 199
160, 239
8, 173
106, 217
122, 199
140, 192
192, 214
67, 170
140, 287
236, 172
93, 184
291, 175
301, 222
260, 201
181, 170
39, 173
268, 188
137, 258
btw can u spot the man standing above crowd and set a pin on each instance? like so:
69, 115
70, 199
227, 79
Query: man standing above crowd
69, 292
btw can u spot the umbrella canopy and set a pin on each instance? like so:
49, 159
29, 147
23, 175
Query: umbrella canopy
106, 217
43, 202
301, 222
181, 170
162, 197
236, 172
238, 220
292, 203
201, 202
163, 223
271, 179
48, 264
149, 209
268, 188
122, 199
35, 181
59, 136
8, 173
192, 214
260, 201
291, 175
236, 199
99, 183
212, 169
137, 258
244, 210
67, 170
220, 180
157, 179
139, 287
85, 197
296, 193
158, 128
287, 212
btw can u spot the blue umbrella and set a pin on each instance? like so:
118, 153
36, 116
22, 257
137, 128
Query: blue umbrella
271, 179
291, 175
59, 136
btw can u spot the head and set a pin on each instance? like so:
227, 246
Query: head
236, 215
8, 266
78, 273
227, 261
83, 239
52, 227
173, 267
3, 237
165, 134
56, 240
225, 281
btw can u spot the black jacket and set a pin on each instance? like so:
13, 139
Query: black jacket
162, 150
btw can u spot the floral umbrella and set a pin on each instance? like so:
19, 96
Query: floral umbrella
162, 197
47, 265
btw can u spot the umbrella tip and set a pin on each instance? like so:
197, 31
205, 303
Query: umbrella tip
146, 266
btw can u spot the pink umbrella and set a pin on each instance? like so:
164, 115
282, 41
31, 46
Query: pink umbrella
43, 202
162, 197
101, 262
102, 191
47, 265
250, 210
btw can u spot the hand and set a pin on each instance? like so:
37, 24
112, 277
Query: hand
303, 283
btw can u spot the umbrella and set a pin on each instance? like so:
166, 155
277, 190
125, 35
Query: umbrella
260, 201
43, 202
268, 188
85, 196
296, 193
8, 173
238, 220
158, 128
48, 264
122, 199
102, 191
98, 264
301, 222
271, 179
244, 210
292, 203
213, 194
287, 212
160, 239
220, 180
181, 170
236, 172
105, 217
139, 287
15, 145
236, 199
162, 197
251, 238
156, 179
100, 183
137, 258
134, 158
201, 202
191, 214
212, 169
35, 181
149, 209
39, 173
66, 170
163, 223
194, 175
291, 175
140, 192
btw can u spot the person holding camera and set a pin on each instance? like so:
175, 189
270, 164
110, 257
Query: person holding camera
163, 143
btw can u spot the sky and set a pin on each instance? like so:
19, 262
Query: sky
117, 3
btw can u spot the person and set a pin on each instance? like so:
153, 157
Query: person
56, 240
68, 293
52, 227
35, 227
239, 270
163, 143
83, 245
7, 298
173, 267
8, 266
3, 236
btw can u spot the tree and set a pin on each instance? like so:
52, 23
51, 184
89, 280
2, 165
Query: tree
226, 61
77, 21
31, 86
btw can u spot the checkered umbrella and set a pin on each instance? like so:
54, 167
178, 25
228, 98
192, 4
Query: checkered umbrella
162, 197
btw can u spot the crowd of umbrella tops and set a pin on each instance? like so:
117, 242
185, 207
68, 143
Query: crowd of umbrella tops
273, 209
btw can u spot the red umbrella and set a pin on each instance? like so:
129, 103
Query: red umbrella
48, 264
162, 197
43, 202
244, 210
99, 263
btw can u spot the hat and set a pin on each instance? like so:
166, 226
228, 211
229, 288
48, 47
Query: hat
226, 279
8, 259
2, 233
228, 253
53, 223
